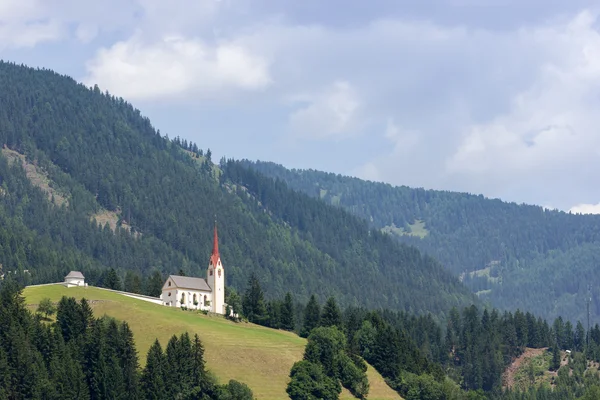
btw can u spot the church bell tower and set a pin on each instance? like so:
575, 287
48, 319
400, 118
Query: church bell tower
215, 277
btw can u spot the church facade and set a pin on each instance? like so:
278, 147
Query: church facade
198, 293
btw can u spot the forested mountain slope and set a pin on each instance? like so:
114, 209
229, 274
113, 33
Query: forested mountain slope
73, 156
515, 256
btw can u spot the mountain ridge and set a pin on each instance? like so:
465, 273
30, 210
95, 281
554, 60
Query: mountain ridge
105, 156
501, 250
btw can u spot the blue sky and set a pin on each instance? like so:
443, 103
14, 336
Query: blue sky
498, 97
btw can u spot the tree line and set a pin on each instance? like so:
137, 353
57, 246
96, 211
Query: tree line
419, 358
528, 256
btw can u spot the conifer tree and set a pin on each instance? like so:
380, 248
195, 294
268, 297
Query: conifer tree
69, 317
87, 315
199, 374
128, 357
331, 315
312, 316
154, 374
253, 302
133, 282
555, 363
112, 280
287, 313
171, 374
154, 284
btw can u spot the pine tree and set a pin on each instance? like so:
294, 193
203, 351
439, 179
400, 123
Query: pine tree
287, 313
128, 358
312, 316
154, 284
133, 282
69, 318
331, 315
253, 302
555, 363
112, 280
153, 377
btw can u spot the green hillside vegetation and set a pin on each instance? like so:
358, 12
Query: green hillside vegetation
258, 356
126, 197
538, 259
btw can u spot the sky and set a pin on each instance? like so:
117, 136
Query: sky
494, 97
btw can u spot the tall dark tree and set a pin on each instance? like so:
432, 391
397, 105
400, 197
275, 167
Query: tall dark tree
312, 316
154, 284
331, 315
154, 374
253, 302
112, 280
287, 313
129, 362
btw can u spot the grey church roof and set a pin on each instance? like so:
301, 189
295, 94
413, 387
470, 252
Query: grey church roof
75, 274
188, 282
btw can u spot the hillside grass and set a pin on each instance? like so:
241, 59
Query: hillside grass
37, 176
258, 356
534, 371
416, 229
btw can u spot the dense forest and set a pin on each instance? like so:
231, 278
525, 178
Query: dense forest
514, 256
73, 155
464, 359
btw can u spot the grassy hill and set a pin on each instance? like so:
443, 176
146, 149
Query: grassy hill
511, 255
258, 356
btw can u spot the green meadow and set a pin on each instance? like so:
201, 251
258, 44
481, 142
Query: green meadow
258, 356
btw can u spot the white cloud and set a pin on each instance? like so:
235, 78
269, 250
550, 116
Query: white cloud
27, 23
520, 123
23, 23
333, 112
586, 209
176, 66
550, 129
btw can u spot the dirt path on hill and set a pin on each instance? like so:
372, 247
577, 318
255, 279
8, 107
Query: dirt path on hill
508, 378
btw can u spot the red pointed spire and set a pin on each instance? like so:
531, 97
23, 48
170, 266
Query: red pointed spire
214, 258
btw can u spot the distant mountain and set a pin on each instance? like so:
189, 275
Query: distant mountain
514, 256
87, 183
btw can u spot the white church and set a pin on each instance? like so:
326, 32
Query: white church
198, 293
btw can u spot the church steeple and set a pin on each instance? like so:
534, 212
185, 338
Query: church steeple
215, 277
214, 257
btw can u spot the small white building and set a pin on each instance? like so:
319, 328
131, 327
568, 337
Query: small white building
185, 291
198, 293
75, 278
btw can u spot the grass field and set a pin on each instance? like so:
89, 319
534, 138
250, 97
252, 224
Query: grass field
258, 356
416, 229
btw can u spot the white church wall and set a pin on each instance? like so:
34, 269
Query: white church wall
173, 298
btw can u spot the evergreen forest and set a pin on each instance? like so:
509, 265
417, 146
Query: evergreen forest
74, 157
511, 255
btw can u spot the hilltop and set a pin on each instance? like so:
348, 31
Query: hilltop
87, 183
511, 255
258, 356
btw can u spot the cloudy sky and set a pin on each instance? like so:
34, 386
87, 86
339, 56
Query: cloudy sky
499, 97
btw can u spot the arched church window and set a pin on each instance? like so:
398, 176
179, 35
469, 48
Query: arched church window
211, 272
195, 299
182, 298
204, 299
169, 283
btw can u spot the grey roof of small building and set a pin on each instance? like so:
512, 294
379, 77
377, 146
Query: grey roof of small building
188, 282
75, 274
